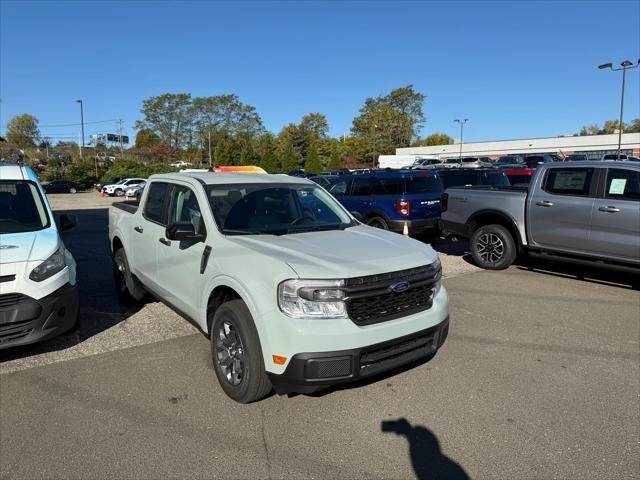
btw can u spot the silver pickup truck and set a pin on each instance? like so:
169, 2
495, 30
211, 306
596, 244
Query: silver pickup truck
586, 212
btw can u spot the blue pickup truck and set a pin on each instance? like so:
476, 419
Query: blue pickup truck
388, 199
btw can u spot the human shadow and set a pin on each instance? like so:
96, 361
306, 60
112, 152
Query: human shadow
427, 458
100, 308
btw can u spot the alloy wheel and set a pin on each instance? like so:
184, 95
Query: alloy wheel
490, 247
230, 353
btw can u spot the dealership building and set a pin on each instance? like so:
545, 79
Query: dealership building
594, 146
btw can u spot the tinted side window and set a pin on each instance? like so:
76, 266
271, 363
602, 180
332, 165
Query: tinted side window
365, 186
422, 183
153, 208
340, 187
460, 179
185, 208
390, 186
496, 179
623, 184
568, 181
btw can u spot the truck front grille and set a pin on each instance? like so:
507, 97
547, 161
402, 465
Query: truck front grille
10, 299
371, 300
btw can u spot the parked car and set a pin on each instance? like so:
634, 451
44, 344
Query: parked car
533, 161
106, 156
388, 199
38, 292
471, 177
519, 176
325, 181
108, 181
122, 186
135, 191
424, 162
61, 186
294, 293
475, 162
509, 160
576, 157
583, 212
180, 163
300, 174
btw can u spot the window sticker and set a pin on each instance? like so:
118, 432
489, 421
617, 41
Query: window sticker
617, 186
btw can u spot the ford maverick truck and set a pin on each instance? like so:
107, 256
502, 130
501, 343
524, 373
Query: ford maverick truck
582, 212
293, 292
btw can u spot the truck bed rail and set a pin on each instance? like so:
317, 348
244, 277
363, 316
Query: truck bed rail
129, 207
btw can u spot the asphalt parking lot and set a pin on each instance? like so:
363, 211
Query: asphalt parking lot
539, 378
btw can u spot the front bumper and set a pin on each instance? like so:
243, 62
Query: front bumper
415, 226
309, 372
24, 320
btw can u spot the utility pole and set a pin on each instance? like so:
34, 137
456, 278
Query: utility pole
626, 65
209, 131
82, 125
120, 135
461, 122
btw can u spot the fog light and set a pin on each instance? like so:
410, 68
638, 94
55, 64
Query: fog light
278, 360
62, 312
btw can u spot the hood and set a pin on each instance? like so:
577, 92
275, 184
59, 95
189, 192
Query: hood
28, 246
352, 252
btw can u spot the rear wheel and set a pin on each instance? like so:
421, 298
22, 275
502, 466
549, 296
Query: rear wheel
127, 289
493, 247
377, 222
236, 353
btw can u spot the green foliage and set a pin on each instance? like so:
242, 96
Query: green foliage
312, 128
289, 159
146, 138
609, 127
312, 163
129, 168
84, 172
248, 155
633, 127
169, 116
267, 151
436, 139
23, 131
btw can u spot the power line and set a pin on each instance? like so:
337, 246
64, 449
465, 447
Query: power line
76, 124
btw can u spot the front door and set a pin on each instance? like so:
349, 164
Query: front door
179, 279
560, 209
615, 228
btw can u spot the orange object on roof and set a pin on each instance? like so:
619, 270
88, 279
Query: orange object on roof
238, 169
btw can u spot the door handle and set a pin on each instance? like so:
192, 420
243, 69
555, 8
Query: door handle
164, 241
609, 209
545, 203
138, 229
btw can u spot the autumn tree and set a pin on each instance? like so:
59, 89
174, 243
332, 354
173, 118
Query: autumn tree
289, 159
145, 138
312, 163
170, 116
436, 139
23, 131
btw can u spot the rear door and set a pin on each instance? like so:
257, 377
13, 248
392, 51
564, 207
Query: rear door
560, 207
615, 227
148, 227
424, 192
179, 279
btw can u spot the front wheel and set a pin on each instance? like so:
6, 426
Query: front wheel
119, 192
236, 353
377, 222
493, 247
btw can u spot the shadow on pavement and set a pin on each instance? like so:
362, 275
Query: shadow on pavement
100, 309
427, 458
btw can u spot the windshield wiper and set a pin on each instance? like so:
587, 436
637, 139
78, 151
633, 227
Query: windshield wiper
231, 231
317, 228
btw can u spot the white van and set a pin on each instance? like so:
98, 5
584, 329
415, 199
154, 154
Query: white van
38, 292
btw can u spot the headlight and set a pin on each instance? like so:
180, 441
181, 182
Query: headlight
50, 266
312, 298
437, 266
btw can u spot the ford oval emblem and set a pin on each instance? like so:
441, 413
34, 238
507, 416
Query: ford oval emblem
399, 287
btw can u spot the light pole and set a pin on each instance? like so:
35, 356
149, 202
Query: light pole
461, 122
626, 65
81, 125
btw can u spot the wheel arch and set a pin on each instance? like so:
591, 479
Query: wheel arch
489, 217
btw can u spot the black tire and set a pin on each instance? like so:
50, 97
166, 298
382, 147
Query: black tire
127, 289
236, 353
493, 247
119, 192
377, 222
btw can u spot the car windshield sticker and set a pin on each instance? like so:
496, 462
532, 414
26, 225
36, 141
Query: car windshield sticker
617, 186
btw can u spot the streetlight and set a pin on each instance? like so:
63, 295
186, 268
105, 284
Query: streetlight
82, 125
461, 122
626, 65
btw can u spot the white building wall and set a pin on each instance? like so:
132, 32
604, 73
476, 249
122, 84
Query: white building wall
560, 145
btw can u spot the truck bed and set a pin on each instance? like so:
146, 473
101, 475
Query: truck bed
129, 207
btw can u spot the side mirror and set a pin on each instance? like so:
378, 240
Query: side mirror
66, 221
358, 216
183, 231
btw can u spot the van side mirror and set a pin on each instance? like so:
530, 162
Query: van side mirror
66, 221
183, 231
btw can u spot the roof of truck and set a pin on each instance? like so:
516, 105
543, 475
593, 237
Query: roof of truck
13, 171
216, 178
593, 163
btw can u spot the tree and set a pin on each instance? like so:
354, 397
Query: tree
289, 159
312, 163
335, 161
634, 126
170, 116
590, 130
145, 138
268, 158
436, 139
314, 125
23, 131
610, 127
247, 155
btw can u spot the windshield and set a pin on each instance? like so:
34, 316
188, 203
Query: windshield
21, 207
275, 209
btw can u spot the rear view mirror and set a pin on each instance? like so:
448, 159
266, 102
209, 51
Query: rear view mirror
66, 221
183, 231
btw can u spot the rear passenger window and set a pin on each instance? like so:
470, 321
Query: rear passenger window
422, 183
390, 186
340, 187
568, 181
623, 184
366, 186
153, 207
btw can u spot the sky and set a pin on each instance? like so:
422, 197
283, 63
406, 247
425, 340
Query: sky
514, 69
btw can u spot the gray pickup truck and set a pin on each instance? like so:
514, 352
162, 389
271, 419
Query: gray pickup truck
585, 212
